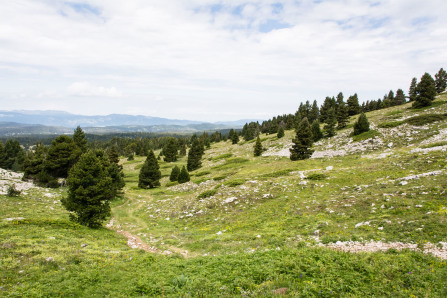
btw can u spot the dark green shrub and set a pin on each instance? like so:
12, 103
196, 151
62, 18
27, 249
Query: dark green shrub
183, 176
362, 125
13, 191
207, 194
202, 173
390, 124
425, 119
234, 182
316, 176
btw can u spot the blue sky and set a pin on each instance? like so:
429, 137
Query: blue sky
212, 60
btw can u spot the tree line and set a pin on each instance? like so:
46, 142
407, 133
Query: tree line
335, 111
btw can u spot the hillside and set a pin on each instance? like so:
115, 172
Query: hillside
365, 216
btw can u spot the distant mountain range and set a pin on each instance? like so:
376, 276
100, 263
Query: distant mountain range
59, 122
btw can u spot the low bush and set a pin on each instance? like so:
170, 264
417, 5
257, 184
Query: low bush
223, 156
316, 176
278, 173
12, 191
234, 182
202, 173
207, 194
425, 119
390, 124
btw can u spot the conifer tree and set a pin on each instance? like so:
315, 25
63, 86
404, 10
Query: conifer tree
342, 112
182, 149
441, 81
3, 156
316, 131
280, 133
62, 155
115, 169
183, 176
14, 156
34, 162
362, 125
425, 91
80, 140
412, 92
170, 151
150, 172
89, 191
331, 120
114, 155
234, 138
390, 96
400, 97
353, 105
194, 156
174, 174
258, 147
314, 113
302, 142
328, 104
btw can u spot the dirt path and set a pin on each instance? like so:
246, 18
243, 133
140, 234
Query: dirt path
127, 213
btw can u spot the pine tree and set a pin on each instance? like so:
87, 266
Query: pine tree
314, 113
150, 172
183, 176
89, 191
194, 156
362, 125
390, 96
80, 140
441, 81
3, 156
13, 155
425, 91
114, 155
234, 138
280, 133
316, 131
170, 151
62, 155
258, 147
34, 162
182, 149
342, 112
412, 92
302, 142
331, 120
328, 104
174, 174
400, 97
353, 105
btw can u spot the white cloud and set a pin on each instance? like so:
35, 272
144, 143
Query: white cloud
212, 53
89, 90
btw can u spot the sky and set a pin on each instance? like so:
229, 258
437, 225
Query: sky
216, 60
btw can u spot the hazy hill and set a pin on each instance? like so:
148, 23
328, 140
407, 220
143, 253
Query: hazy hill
14, 123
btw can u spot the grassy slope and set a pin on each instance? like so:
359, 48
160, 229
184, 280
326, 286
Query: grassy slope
261, 241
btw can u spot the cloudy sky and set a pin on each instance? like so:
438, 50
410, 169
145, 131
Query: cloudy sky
212, 60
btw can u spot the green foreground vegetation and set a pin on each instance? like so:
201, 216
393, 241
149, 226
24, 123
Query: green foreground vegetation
253, 226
